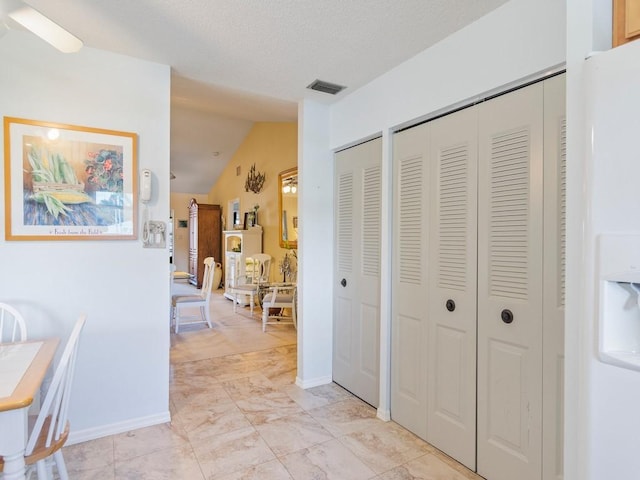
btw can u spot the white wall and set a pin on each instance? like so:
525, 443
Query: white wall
122, 375
521, 38
315, 250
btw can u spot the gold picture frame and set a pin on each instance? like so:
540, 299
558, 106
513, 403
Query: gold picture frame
67, 182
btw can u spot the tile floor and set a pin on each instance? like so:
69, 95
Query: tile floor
237, 414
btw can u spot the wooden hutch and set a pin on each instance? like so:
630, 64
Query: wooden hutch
205, 237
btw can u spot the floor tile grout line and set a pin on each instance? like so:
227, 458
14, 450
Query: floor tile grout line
265, 361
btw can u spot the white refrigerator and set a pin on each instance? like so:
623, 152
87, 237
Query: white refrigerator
610, 411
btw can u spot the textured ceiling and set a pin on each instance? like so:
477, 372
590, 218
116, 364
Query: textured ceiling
235, 62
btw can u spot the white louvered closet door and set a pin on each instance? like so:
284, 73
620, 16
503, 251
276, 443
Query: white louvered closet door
452, 286
510, 223
409, 307
555, 182
356, 326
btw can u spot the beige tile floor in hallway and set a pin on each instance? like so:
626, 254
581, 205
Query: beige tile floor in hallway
237, 414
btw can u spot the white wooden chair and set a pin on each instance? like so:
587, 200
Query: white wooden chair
12, 325
181, 302
250, 283
282, 299
51, 428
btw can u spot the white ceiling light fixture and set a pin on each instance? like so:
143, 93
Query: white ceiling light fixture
290, 185
42, 26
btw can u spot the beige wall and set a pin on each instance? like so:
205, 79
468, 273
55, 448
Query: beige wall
273, 147
180, 207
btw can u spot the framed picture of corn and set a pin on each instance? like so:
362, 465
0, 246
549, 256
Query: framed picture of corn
65, 182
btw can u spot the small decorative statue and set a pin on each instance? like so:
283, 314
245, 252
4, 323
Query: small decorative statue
255, 215
285, 267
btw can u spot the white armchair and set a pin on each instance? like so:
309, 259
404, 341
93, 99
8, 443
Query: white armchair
180, 302
282, 299
257, 274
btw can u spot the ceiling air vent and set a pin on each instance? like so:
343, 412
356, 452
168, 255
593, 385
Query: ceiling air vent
326, 87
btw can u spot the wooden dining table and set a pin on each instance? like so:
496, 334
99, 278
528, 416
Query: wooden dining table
23, 367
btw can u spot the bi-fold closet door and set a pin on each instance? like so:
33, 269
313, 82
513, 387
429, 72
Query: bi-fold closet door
472, 227
452, 285
356, 326
411, 218
521, 258
433, 376
510, 221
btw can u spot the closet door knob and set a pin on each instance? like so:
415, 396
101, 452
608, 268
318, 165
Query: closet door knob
343, 282
451, 305
506, 316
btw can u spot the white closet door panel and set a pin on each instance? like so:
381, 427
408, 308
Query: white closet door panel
555, 175
510, 285
343, 343
452, 304
345, 327
369, 361
409, 306
369, 278
408, 383
357, 283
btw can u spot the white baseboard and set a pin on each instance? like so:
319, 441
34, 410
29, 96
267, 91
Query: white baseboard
384, 415
79, 436
314, 382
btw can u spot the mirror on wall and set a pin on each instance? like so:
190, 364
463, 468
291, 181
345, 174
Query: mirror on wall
288, 207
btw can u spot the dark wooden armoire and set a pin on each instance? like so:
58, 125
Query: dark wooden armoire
205, 237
